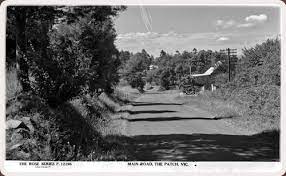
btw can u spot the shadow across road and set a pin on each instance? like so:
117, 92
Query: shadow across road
153, 104
157, 119
148, 112
206, 147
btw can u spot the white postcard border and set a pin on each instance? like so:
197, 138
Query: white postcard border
198, 168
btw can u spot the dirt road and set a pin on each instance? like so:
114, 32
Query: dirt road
156, 113
163, 129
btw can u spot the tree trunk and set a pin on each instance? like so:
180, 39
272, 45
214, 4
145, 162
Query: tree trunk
21, 60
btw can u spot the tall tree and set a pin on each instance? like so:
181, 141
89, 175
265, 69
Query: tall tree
61, 63
21, 18
21, 59
136, 68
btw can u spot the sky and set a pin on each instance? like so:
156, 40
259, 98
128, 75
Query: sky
179, 28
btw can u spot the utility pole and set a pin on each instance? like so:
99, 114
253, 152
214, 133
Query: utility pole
228, 54
232, 61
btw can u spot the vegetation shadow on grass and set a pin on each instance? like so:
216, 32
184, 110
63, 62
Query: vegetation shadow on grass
89, 142
62, 133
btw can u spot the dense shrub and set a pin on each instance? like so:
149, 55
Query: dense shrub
136, 68
136, 81
220, 79
152, 76
64, 51
257, 83
167, 78
260, 65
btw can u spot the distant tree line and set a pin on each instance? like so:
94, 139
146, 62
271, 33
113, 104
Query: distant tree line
172, 70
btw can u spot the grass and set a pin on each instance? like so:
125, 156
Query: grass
126, 94
82, 129
221, 108
79, 130
233, 111
101, 112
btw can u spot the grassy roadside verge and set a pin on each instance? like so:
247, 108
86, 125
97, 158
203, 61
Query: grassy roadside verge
119, 105
82, 129
233, 112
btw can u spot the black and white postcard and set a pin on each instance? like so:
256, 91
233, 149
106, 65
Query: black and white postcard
134, 87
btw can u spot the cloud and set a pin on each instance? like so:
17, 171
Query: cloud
154, 42
138, 35
223, 39
245, 25
249, 21
171, 41
253, 20
171, 35
225, 24
256, 18
219, 22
